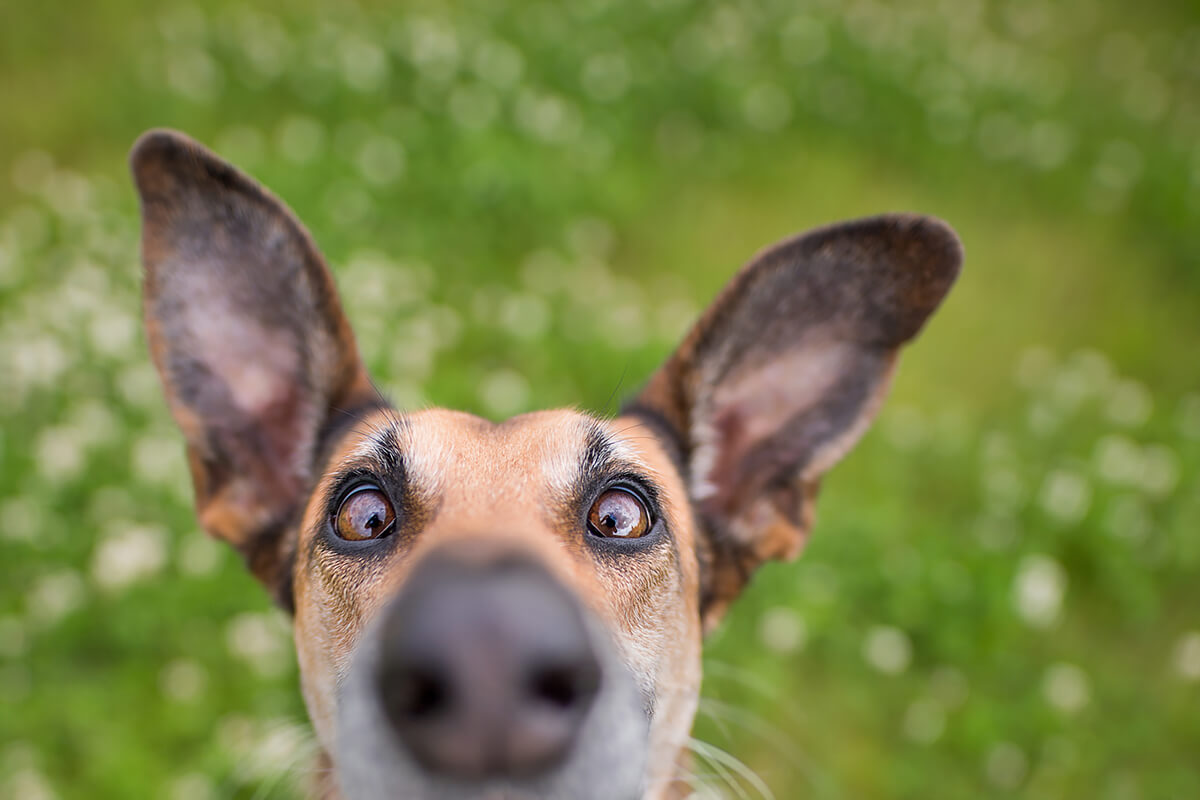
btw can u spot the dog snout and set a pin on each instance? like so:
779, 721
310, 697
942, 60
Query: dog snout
486, 669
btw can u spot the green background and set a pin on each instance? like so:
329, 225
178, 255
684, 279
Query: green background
524, 204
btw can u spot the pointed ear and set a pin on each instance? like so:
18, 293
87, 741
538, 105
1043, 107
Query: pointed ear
783, 374
246, 330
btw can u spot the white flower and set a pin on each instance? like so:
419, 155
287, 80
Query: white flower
782, 630
300, 139
193, 786
260, 640
28, 784
924, 721
60, 453
381, 160
1006, 765
504, 392
887, 649
183, 680
199, 555
1130, 404
1187, 656
54, 596
128, 553
767, 107
1066, 687
1066, 495
606, 76
1038, 590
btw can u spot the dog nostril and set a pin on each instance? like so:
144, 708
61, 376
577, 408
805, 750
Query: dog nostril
565, 686
415, 693
555, 687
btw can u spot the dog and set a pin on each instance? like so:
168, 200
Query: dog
512, 610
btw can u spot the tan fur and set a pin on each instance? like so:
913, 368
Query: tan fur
473, 467
773, 385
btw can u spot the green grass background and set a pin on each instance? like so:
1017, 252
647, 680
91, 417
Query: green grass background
524, 204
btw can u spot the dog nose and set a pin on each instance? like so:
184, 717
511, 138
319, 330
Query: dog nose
486, 670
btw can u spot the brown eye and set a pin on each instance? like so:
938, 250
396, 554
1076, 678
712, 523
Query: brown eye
619, 514
365, 514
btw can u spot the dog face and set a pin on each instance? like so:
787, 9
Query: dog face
507, 610
495, 519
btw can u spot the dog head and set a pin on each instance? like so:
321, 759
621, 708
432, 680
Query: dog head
508, 610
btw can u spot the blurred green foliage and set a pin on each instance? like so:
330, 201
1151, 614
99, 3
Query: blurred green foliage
525, 203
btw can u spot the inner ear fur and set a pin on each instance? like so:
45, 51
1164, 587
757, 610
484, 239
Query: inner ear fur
784, 372
245, 327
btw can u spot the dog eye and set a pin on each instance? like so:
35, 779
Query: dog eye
366, 513
619, 514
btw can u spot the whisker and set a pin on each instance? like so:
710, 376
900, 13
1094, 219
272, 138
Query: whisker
720, 758
775, 738
708, 754
705, 707
608, 405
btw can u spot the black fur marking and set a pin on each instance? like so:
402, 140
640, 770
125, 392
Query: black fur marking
672, 439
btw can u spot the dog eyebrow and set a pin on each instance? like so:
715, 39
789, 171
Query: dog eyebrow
602, 453
604, 456
386, 447
599, 450
379, 446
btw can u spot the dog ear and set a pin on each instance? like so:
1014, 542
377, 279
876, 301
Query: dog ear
254, 352
782, 375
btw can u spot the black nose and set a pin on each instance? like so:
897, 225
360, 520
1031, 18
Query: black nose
486, 669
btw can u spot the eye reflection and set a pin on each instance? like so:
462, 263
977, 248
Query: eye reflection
619, 514
365, 514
